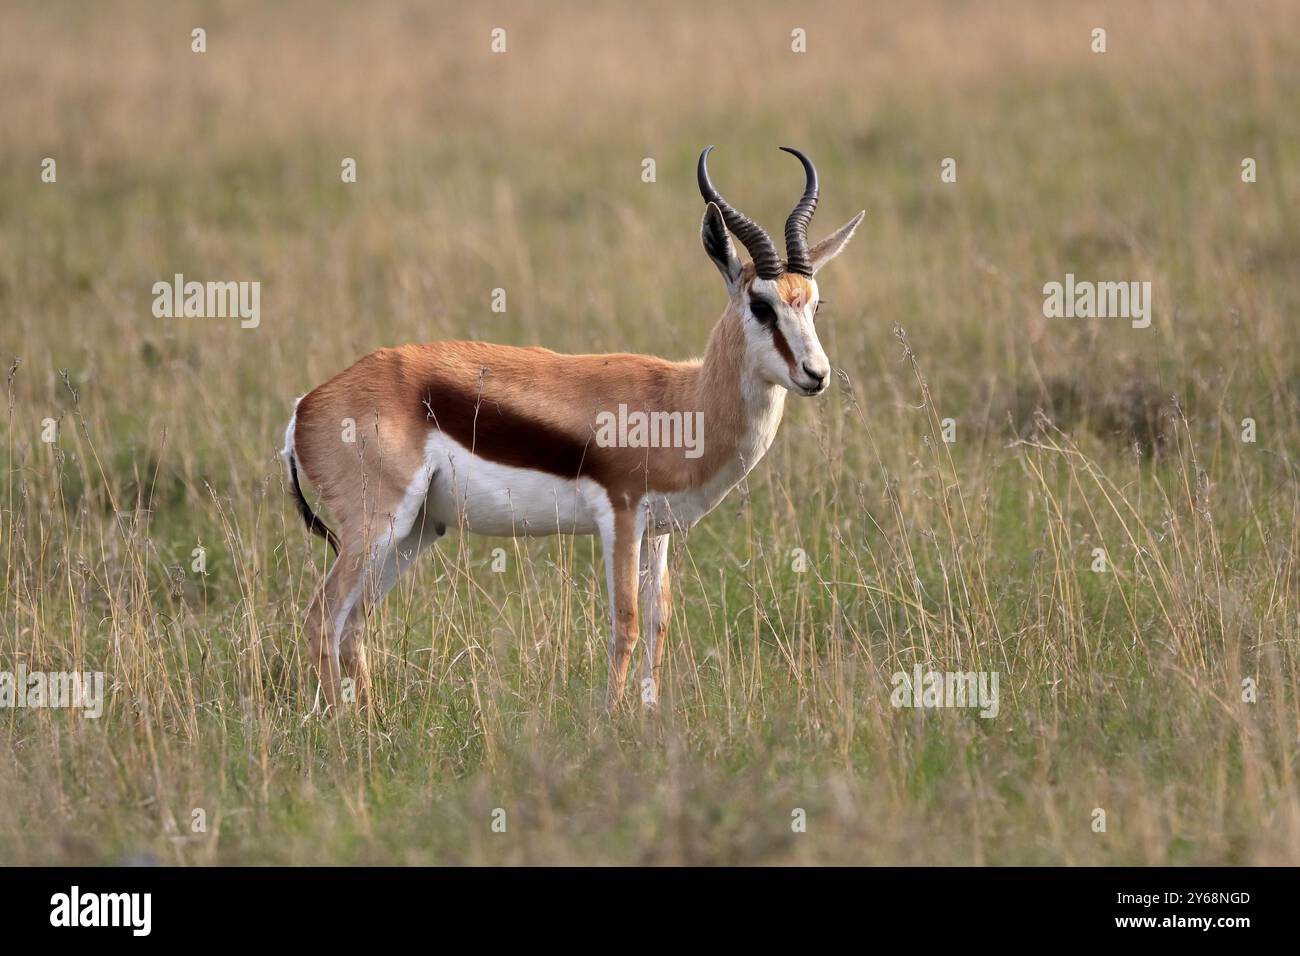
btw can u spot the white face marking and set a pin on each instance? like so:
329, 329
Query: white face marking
810, 374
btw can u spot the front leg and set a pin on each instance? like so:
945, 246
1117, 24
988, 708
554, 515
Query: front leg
656, 609
621, 539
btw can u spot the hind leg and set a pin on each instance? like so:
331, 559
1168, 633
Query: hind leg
373, 480
387, 565
327, 616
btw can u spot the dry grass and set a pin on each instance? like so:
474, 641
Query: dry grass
1119, 690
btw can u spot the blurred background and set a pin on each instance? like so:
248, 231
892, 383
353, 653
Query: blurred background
522, 171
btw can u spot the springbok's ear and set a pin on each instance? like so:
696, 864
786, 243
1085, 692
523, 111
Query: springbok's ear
834, 244
717, 243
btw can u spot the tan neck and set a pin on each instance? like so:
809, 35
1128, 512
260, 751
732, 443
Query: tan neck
741, 411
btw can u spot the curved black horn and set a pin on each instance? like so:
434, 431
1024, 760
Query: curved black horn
767, 261
796, 227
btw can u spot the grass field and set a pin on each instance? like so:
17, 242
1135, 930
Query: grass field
1121, 690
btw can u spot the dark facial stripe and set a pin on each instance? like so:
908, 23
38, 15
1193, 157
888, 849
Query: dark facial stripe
782, 347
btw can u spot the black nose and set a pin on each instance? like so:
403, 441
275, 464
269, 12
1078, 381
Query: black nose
817, 377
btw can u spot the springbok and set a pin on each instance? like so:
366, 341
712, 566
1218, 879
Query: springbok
500, 440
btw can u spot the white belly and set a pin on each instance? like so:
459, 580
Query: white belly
495, 499
501, 500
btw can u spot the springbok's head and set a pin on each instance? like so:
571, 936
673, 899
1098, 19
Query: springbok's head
776, 301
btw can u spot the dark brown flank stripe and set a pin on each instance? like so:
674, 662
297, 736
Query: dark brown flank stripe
506, 436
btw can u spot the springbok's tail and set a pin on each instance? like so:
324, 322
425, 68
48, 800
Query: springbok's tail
314, 524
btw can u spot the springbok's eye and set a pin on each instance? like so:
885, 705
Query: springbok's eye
762, 311
818, 307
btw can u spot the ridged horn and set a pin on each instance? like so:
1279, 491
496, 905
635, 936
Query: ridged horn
767, 261
797, 257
